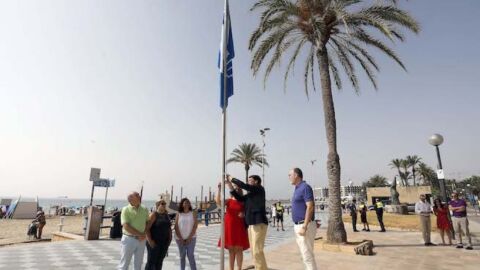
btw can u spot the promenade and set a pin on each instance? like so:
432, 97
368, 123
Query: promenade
394, 249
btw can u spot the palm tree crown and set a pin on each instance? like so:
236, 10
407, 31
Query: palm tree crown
333, 33
248, 154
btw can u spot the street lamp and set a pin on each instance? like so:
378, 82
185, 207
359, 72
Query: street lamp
436, 140
262, 133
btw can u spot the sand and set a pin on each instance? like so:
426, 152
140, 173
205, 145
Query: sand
13, 231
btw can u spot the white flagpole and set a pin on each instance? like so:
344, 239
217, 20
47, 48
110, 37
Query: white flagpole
224, 132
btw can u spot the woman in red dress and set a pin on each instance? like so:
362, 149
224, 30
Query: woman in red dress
236, 237
443, 224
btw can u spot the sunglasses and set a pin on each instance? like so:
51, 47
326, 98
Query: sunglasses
162, 203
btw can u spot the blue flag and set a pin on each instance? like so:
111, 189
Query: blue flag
230, 54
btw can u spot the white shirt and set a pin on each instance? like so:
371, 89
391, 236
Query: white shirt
185, 225
423, 207
274, 210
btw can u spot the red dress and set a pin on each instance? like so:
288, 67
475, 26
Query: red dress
235, 228
442, 218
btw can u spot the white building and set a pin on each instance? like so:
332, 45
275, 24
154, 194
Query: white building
321, 193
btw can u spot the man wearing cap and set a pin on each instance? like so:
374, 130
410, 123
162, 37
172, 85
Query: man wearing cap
352, 207
379, 212
303, 216
459, 219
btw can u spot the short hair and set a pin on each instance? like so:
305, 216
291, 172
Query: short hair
180, 206
298, 172
256, 178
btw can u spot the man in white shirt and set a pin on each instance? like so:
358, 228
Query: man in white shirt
423, 209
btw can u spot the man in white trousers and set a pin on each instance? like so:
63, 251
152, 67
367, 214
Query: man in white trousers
303, 215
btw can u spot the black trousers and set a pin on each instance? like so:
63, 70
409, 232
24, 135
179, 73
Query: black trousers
354, 222
380, 219
155, 256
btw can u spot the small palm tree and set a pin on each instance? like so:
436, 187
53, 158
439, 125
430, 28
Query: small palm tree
396, 163
413, 162
335, 33
376, 181
426, 173
248, 154
405, 174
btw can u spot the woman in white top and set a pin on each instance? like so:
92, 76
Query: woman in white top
185, 233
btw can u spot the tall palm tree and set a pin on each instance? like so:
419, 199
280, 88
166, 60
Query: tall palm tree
334, 32
413, 162
396, 163
248, 154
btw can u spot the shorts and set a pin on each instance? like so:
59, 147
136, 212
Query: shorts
280, 217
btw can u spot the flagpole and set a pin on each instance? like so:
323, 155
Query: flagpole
224, 132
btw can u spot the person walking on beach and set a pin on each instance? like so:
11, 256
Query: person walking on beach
255, 215
40, 218
159, 236
280, 209
424, 209
352, 207
236, 236
303, 216
185, 233
379, 212
273, 212
459, 219
443, 224
134, 218
363, 216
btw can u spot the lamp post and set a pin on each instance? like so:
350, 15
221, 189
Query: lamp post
262, 133
436, 140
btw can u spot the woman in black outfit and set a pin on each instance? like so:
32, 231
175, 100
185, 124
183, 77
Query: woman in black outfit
159, 236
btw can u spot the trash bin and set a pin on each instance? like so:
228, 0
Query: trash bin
116, 229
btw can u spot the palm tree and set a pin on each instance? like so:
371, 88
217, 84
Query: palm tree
405, 174
396, 163
413, 162
426, 173
376, 181
335, 32
248, 154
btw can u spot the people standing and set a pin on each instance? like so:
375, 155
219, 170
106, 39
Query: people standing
42, 221
134, 220
443, 224
280, 209
459, 219
159, 236
424, 209
273, 212
379, 212
185, 233
303, 216
255, 215
363, 216
352, 207
236, 236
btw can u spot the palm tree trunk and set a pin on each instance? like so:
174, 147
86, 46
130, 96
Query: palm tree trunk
401, 178
413, 174
247, 168
336, 230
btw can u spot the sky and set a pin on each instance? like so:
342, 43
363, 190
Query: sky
131, 87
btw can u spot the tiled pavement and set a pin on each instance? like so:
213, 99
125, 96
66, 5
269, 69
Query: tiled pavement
105, 254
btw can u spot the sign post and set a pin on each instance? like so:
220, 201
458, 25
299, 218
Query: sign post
94, 176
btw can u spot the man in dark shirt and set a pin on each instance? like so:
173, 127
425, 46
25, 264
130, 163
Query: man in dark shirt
352, 207
255, 215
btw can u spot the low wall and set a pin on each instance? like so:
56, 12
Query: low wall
407, 194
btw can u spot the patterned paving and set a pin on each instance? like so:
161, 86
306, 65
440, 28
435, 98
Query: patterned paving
105, 254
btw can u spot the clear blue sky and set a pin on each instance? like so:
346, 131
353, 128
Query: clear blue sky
132, 87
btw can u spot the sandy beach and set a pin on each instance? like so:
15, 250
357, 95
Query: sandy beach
14, 231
